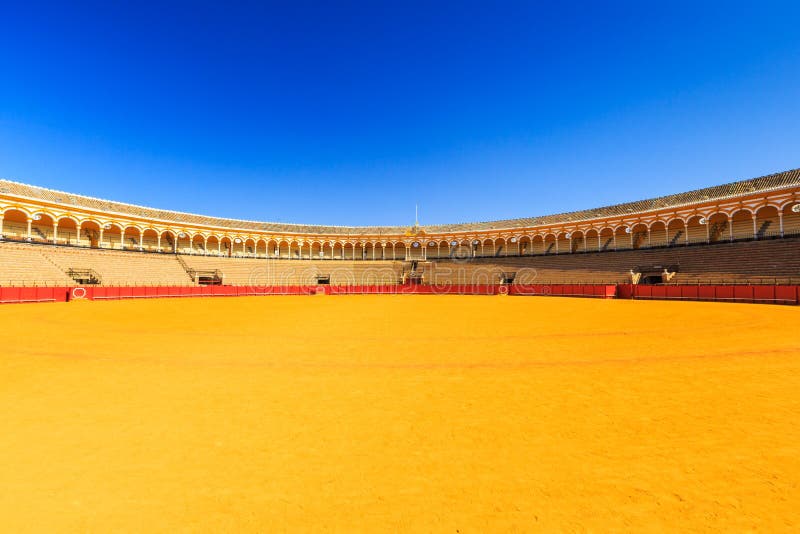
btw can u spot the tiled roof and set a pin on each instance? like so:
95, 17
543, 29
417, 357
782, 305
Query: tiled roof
764, 183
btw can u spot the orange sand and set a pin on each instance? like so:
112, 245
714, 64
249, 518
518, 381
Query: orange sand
411, 413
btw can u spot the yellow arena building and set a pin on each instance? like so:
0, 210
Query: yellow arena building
433, 383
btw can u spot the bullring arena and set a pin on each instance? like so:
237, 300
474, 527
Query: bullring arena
432, 378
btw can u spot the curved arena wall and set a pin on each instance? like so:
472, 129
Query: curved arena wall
760, 207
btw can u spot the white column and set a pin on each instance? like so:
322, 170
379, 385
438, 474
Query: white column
141, 240
158, 242
780, 222
1, 225
100, 241
755, 227
55, 233
29, 229
78, 234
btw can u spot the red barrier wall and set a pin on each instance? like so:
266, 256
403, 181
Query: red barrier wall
567, 290
33, 294
738, 293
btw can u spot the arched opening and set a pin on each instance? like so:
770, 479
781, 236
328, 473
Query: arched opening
718, 228
316, 249
294, 250
696, 229
512, 246
213, 245
657, 234
563, 245
468, 248
537, 244
623, 238
237, 246
415, 250
15, 224
676, 233
606, 239
369, 251
501, 247
198, 244
184, 243
456, 250
487, 248
399, 251
283, 250
131, 238
226, 244
550, 244
327, 251
168, 241
525, 248
249, 247
150, 240
90, 234
42, 228
592, 240
578, 243
768, 222
640, 237
471, 247
67, 231
742, 225
791, 219
112, 236
261, 248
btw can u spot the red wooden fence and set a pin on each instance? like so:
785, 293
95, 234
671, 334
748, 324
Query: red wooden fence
734, 293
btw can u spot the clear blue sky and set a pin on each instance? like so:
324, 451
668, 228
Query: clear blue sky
351, 112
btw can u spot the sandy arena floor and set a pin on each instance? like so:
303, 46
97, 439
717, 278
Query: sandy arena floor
409, 413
